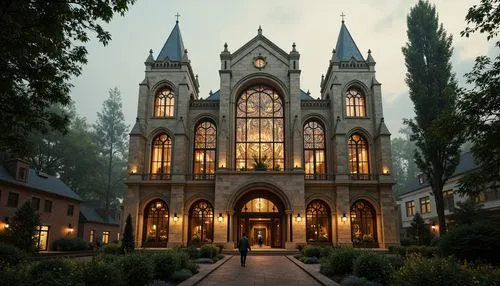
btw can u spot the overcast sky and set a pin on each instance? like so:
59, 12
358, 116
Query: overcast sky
312, 25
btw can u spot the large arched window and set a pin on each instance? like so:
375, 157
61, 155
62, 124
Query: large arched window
156, 224
314, 150
164, 103
363, 224
205, 142
260, 129
355, 103
161, 156
201, 222
318, 222
358, 157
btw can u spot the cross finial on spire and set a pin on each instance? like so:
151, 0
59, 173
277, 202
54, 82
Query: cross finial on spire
259, 31
177, 15
342, 15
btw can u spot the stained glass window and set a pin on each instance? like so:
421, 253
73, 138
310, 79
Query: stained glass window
318, 222
164, 103
156, 223
314, 150
259, 205
355, 103
358, 157
161, 157
205, 143
363, 223
260, 129
201, 222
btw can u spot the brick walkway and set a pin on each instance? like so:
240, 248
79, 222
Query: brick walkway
260, 270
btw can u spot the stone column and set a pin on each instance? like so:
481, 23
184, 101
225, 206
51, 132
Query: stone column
389, 218
131, 206
342, 206
176, 206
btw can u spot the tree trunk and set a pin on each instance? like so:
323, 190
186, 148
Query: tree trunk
437, 190
108, 191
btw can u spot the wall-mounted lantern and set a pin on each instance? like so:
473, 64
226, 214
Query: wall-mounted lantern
298, 218
220, 218
176, 218
344, 217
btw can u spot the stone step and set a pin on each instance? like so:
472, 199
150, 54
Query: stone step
263, 251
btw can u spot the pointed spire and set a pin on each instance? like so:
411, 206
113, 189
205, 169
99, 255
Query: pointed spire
150, 58
369, 58
346, 47
174, 47
259, 31
293, 47
225, 47
382, 129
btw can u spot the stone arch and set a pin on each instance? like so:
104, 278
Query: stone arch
260, 78
161, 84
315, 117
158, 131
194, 198
316, 196
156, 223
372, 200
365, 223
359, 84
202, 117
249, 188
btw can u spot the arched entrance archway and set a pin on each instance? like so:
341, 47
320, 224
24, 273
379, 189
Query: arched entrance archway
363, 224
155, 230
261, 215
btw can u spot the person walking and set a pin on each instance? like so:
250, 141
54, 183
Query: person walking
243, 247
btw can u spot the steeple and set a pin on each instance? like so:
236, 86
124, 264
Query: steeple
346, 47
174, 47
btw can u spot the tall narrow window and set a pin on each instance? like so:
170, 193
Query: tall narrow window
363, 224
358, 157
205, 142
161, 157
425, 205
355, 103
410, 208
201, 222
164, 103
314, 150
155, 232
260, 129
318, 222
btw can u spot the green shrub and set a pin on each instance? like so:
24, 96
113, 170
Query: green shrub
14, 275
220, 256
300, 246
138, 269
309, 260
192, 252
54, 272
204, 261
436, 271
396, 261
220, 246
326, 251
181, 275
208, 251
407, 242
193, 267
70, 244
128, 243
472, 242
165, 264
373, 267
357, 281
312, 251
112, 248
483, 274
426, 251
435, 241
102, 274
339, 262
11, 255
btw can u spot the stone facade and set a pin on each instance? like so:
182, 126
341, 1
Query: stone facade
287, 186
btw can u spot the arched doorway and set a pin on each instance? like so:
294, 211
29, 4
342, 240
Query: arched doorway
201, 223
363, 224
155, 231
261, 215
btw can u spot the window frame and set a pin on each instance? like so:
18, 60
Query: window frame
33, 199
204, 150
426, 203
12, 200
318, 211
164, 103
105, 237
47, 206
358, 146
315, 150
410, 208
353, 102
72, 208
164, 147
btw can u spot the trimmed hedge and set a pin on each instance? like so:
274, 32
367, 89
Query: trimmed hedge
209, 251
309, 260
138, 269
181, 275
70, 244
112, 248
312, 251
54, 272
357, 281
339, 262
102, 274
373, 267
165, 264
192, 252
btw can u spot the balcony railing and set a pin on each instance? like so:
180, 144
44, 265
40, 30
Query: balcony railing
319, 177
157, 176
202, 177
362, 177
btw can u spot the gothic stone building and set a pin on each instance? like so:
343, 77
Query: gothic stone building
260, 156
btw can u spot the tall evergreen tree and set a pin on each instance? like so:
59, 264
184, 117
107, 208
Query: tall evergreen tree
405, 169
111, 134
433, 90
128, 243
22, 230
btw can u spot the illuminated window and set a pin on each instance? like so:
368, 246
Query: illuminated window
156, 223
259, 205
425, 205
410, 208
205, 143
358, 157
164, 103
314, 150
91, 236
260, 129
42, 237
201, 222
161, 157
318, 222
355, 103
105, 237
363, 224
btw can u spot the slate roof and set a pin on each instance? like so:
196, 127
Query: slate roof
88, 213
346, 47
49, 184
466, 164
174, 47
214, 96
302, 94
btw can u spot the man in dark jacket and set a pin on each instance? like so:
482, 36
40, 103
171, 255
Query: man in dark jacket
244, 247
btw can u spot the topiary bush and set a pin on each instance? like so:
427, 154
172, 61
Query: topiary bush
70, 244
472, 242
326, 251
165, 264
339, 262
11, 255
102, 274
311, 251
112, 248
208, 251
181, 275
137, 269
436, 271
373, 267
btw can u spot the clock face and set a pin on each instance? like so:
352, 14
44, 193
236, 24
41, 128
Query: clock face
260, 63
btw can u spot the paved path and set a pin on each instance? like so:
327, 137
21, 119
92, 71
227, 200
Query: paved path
260, 270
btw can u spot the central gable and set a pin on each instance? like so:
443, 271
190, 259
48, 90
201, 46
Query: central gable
262, 46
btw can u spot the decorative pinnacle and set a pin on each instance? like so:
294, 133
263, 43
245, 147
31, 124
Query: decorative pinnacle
369, 51
225, 47
259, 30
342, 15
177, 15
293, 46
150, 51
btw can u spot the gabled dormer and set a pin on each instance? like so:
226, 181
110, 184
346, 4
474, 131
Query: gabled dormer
18, 169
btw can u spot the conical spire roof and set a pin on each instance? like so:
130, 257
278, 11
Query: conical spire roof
174, 47
346, 47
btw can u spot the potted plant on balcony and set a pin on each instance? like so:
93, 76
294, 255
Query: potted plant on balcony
260, 163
